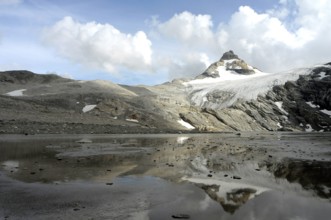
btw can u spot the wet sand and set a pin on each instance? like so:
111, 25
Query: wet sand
202, 176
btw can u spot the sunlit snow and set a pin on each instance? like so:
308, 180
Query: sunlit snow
88, 108
325, 111
16, 92
185, 124
312, 105
322, 75
308, 128
182, 140
280, 107
132, 120
242, 86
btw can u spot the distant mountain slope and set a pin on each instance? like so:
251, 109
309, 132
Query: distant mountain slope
230, 95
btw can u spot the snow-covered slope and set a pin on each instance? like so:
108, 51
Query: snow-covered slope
223, 91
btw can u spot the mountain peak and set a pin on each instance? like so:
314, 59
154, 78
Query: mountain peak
230, 55
229, 63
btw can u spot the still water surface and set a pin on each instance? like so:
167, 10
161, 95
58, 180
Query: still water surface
148, 176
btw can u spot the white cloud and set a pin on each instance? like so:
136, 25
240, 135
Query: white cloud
10, 2
189, 29
275, 43
186, 43
100, 46
295, 33
292, 34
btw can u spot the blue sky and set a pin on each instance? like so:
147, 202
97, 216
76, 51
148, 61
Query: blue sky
153, 41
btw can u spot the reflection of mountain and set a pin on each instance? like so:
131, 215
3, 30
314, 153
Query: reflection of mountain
230, 201
312, 175
233, 170
230, 95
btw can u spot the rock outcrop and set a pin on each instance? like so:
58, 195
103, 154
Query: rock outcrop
228, 62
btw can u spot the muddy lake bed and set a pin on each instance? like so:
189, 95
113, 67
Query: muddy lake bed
276, 175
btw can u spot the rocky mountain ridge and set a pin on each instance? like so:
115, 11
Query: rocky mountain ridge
230, 95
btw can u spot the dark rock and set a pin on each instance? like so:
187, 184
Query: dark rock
181, 216
229, 55
236, 177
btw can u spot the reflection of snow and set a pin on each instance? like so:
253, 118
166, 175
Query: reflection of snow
10, 165
88, 108
182, 140
84, 140
186, 124
16, 92
227, 187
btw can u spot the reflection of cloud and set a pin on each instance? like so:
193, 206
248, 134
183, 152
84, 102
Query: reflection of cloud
297, 218
143, 215
204, 204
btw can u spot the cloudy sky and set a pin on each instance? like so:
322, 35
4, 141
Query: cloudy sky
153, 41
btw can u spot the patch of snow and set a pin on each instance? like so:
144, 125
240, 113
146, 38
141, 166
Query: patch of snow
182, 140
325, 111
322, 75
308, 128
115, 117
279, 125
88, 108
16, 92
84, 140
132, 120
186, 124
312, 105
244, 87
280, 107
301, 124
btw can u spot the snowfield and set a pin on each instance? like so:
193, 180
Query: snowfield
16, 92
186, 124
88, 108
241, 86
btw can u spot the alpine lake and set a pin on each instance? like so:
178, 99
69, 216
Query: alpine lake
271, 175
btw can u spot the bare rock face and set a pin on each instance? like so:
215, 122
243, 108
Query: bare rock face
230, 55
